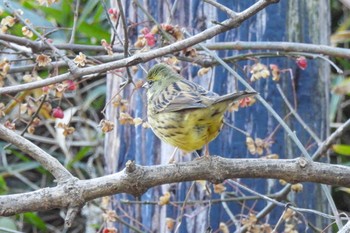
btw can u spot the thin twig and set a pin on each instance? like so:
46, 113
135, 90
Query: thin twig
280, 220
183, 208
297, 116
223, 8
327, 143
229, 213
283, 204
75, 20
196, 202
114, 26
172, 12
125, 28
126, 39
35, 114
281, 46
346, 228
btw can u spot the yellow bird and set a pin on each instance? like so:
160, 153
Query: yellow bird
181, 112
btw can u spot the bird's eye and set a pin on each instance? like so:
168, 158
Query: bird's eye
147, 84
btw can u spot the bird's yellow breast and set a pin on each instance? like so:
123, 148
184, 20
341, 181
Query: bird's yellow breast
189, 129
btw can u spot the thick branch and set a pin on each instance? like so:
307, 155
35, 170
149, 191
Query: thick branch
47, 161
136, 180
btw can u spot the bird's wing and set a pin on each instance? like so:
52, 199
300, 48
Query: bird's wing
182, 95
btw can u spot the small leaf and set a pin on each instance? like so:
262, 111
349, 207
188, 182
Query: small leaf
343, 87
3, 186
82, 153
342, 149
344, 189
165, 199
34, 219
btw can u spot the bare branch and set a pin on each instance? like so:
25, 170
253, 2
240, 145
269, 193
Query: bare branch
282, 46
136, 180
75, 21
327, 143
326, 50
223, 8
38, 46
297, 116
47, 161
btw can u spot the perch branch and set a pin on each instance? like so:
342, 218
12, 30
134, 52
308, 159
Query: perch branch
136, 180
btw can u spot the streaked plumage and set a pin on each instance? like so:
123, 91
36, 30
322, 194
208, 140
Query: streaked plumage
183, 113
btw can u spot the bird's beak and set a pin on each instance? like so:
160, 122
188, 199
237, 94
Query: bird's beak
145, 85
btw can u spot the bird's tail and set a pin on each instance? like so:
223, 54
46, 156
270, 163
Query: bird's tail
231, 97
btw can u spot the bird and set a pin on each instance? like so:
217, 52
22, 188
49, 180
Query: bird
183, 113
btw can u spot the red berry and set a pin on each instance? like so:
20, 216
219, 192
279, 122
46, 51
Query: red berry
71, 85
167, 27
151, 40
112, 11
244, 102
301, 62
57, 113
45, 89
109, 230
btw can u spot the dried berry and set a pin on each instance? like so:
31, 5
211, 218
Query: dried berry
301, 62
57, 113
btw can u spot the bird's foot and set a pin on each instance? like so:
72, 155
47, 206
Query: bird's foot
172, 157
171, 161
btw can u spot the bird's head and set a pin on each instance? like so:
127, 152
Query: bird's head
160, 77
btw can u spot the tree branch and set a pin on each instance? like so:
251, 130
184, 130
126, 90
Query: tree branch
47, 161
221, 7
136, 180
38, 46
282, 46
146, 56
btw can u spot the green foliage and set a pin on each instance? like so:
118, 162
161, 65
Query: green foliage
3, 186
92, 25
27, 164
342, 149
82, 153
335, 99
35, 220
343, 88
